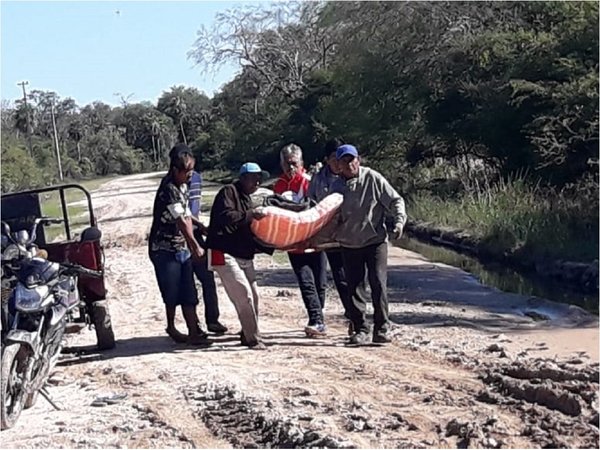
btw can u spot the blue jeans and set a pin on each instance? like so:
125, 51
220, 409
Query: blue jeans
175, 279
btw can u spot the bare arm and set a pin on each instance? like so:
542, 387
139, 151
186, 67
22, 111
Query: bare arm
185, 226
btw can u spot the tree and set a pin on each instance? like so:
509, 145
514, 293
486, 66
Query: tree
277, 46
188, 108
19, 170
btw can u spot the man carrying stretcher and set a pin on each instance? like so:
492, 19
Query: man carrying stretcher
232, 248
309, 268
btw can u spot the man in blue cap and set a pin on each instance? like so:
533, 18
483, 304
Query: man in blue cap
232, 248
368, 198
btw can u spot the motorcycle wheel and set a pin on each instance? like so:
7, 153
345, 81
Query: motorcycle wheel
103, 325
44, 371
14, 363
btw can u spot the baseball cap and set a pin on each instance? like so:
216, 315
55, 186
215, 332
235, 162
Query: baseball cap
251, 167
346, 149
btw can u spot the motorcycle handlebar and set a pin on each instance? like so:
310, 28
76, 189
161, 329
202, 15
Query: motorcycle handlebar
45, 220
33, 233
83, 270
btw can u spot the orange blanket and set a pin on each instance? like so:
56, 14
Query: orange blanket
282, 228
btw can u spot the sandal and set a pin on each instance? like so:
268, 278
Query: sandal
177, 336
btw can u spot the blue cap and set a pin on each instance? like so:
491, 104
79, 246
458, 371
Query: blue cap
250, 167
344, 150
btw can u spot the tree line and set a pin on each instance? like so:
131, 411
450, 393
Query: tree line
436, 95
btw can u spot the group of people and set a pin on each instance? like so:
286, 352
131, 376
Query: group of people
180, 245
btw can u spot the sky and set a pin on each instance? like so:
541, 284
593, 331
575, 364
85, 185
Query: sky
92, 50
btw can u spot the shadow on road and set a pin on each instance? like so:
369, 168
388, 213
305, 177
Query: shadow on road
437, 286
147, 345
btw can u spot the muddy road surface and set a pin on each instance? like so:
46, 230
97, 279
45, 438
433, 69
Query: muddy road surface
469, 367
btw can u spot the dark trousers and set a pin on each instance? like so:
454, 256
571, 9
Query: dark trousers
336, 264
371, 260
209, 290
310, 270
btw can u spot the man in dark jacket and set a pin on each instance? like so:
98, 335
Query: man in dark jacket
232, 248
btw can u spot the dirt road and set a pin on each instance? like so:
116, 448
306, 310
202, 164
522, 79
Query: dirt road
469, 367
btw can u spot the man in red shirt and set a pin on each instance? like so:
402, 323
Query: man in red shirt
310, 268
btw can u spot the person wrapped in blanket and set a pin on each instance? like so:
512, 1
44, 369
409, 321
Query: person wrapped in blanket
309, 268
231, 248
172, 247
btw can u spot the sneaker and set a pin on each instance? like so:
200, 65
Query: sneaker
199, 340
360, 338
217, 328
382, 337
316, 331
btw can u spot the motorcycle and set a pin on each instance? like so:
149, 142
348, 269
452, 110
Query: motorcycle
20, 208
44, 295
17, 248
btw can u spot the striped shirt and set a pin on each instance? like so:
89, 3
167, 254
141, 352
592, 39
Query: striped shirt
195, 193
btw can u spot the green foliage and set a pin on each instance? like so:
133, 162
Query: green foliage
112, 154
188, 110
516, 217
19, 170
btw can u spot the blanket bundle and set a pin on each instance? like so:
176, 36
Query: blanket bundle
292, 226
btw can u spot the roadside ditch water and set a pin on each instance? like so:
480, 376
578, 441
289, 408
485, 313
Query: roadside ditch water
503, 277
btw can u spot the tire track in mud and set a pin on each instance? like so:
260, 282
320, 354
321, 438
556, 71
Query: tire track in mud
248, 422
557, 401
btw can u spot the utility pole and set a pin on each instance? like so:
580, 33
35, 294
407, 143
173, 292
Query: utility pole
60, 173
23, 84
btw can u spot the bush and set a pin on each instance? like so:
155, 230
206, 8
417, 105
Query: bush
19, 171
516, 217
